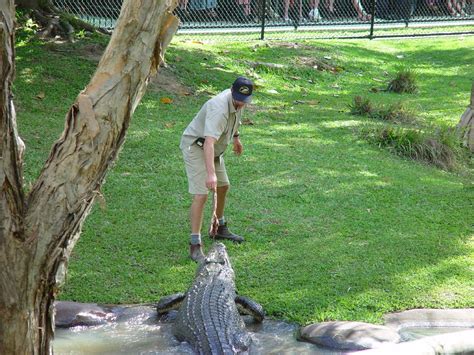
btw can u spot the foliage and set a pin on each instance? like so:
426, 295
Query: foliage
336, 228
31, 23
404, 82
441, 148
362, 106
26, 27
396, 112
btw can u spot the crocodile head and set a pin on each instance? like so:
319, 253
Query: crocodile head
216, 259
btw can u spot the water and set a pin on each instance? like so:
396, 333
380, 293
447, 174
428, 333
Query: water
139, 331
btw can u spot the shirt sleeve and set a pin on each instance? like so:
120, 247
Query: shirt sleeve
216, 120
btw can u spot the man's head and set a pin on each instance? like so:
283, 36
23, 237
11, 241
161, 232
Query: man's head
242, 90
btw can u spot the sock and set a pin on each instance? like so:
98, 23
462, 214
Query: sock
195, 238
222, 221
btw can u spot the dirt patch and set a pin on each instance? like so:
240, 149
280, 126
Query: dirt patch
325, 63
92, 52
166, 81
295, 45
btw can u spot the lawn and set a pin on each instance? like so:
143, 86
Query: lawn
336, 228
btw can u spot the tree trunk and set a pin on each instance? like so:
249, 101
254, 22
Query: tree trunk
466, 124
38, 232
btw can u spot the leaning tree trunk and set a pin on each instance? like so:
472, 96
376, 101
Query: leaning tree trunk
38, 232
466, 124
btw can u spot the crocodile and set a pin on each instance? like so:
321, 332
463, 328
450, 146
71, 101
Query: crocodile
209, 313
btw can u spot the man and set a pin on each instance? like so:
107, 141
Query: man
203, 144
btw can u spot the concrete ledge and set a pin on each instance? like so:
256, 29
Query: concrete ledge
451, 343
431, 318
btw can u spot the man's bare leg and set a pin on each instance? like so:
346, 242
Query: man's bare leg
221, 195
196, 216
223, 232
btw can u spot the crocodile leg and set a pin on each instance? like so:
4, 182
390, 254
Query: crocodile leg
170, 303
247, 306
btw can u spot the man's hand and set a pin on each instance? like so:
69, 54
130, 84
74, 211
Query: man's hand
211, 182
238, 147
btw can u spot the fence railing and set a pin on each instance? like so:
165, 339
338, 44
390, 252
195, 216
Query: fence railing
335, 18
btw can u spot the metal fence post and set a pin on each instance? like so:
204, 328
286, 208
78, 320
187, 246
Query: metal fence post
372, 18
411, 8
263, 13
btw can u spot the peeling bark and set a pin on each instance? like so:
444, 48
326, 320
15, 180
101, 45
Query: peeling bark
466, 124
38, 233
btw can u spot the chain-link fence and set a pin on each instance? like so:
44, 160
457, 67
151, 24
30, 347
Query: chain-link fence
299, 18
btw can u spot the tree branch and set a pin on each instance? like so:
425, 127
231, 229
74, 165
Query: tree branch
11, 193
13, 264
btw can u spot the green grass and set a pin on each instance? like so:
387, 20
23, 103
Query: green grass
336, 228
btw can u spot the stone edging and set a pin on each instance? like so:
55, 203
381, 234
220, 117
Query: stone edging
344, 335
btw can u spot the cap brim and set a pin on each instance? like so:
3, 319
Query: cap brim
242, 98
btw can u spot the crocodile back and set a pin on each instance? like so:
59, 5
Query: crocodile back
208, 318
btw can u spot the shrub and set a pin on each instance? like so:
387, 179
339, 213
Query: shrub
362, 107
397, 113
441, 148
405, 81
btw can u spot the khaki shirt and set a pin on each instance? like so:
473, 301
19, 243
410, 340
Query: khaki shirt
218, 119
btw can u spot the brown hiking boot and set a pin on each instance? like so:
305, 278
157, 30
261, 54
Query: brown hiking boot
195, 252
223, 232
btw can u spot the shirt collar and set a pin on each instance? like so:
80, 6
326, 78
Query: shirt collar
231, 104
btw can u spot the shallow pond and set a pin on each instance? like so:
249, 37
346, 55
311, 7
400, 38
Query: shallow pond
138, 331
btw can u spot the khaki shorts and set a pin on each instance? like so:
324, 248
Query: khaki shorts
197, 173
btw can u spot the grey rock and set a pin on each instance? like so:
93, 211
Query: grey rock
72, 314
348, 335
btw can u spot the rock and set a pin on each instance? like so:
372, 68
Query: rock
348, 335
71, 314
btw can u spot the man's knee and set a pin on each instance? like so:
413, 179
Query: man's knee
224, 188
199, 199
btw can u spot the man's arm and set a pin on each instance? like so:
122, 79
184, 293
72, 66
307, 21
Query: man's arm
238, 148
211, 180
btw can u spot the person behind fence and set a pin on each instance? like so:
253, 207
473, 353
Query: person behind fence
245, 9
314, 14
362, 15
456, 7
290, 4
203, 144
207, 8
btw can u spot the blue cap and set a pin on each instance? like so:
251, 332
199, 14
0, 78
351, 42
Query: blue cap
242, 89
